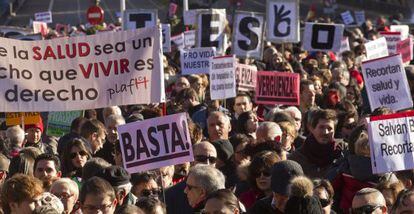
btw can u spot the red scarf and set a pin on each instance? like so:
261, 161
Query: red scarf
321, 154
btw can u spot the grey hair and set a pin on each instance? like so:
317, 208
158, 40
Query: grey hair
207, 177
115, 109
73, 187
114, 118
219, 114
272, 130
15, 134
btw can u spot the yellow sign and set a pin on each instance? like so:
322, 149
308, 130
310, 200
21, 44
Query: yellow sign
15, 118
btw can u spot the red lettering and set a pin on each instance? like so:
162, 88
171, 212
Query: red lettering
124, 65
37, 55
106, 69
86, 73
59, 52
84, 52
49, 53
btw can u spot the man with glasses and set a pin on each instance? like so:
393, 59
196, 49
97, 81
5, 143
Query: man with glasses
368, 200
204, 153
97, 195
145, 185
67, 191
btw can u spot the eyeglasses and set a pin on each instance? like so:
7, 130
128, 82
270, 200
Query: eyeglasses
203, 159
366, 209
150, 192
64, 196
75, 154
190, 187
92, 208
265, 173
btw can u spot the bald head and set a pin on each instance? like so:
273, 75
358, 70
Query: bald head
369, 196
204, 152
268, 131
218, 126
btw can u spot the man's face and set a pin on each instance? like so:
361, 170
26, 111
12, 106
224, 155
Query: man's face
195, 194
242, 104
33, 135
218, 127
181, 84
112, 132
308, 95
324, 131
26, 206
98, 204
97, 141
205, 155
67, 197
214, 205
363, 201
46, 169
146, 189
407, 207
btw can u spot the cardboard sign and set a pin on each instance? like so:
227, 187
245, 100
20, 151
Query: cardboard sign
210, 29
196, 60
189, 38
403, 29
58, 123
96, 71
15, 118
405, 48
392, 39
44, 17
178, 40
377, 48
344, 45
282, 19
391, 142
248, 35
347, 17
139, 18
246, 77
359, 17
323, 37
166, 38
386, 83
40, 27
155, 143
275, 87
222, 77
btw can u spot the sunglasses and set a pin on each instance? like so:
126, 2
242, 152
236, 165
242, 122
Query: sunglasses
263, 172
75, 154
203, 159
150, 192
366, 209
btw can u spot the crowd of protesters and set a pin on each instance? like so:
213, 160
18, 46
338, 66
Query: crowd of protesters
248, 158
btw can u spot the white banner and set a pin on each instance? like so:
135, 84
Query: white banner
189, 38
222, 77
282, 20
391, 142
196, 60
347, 17
404, 29
386, 83
155, 143
322, 37
44, 17
210, 29
392, 39
139, 18
359, 17
166, 38
85, 72
248, 33
377, 48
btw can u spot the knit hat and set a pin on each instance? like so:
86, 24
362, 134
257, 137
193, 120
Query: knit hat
38, 125
303, 205
115, 175
282, 174
224, 149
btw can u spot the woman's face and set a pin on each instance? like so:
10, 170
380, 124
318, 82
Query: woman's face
239, 155
318, 87
78, 157
263, 179
252, 123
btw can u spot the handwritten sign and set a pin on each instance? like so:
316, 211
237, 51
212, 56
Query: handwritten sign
222, 77
377, 48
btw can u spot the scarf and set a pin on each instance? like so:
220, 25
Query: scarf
321, 154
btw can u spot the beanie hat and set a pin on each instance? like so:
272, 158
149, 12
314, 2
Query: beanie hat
282, 174
303, 205
224, 149
115, 175
38, 125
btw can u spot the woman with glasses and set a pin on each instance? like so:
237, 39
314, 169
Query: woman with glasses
259, 178
73, 160
323, 190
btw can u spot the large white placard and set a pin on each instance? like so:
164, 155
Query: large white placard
248, 35
386, 83
155, 143
210, 29
322, 37
282, 20
196, 60
166, 38
377, 48
178, 40
404, 29
391, 142
392, 39
139, 18
189, 38
85, 72
222, 77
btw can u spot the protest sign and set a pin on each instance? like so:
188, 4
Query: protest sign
178, 40
18, 118
210, 29
189, 38
377, 48
347, 17
190, 17
403, 29
282, 20
405, 48
10, 31
58, 123
166, 38
386, 83
222, 77
44, 17
40, 27
96, 71
277, 88
248, 35
392, 39
139, 18
246, 77
196, 60
323, 37
344, 45
359, 17
155, 143
391, 142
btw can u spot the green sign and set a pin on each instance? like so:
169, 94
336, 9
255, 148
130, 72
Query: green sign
59, 122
